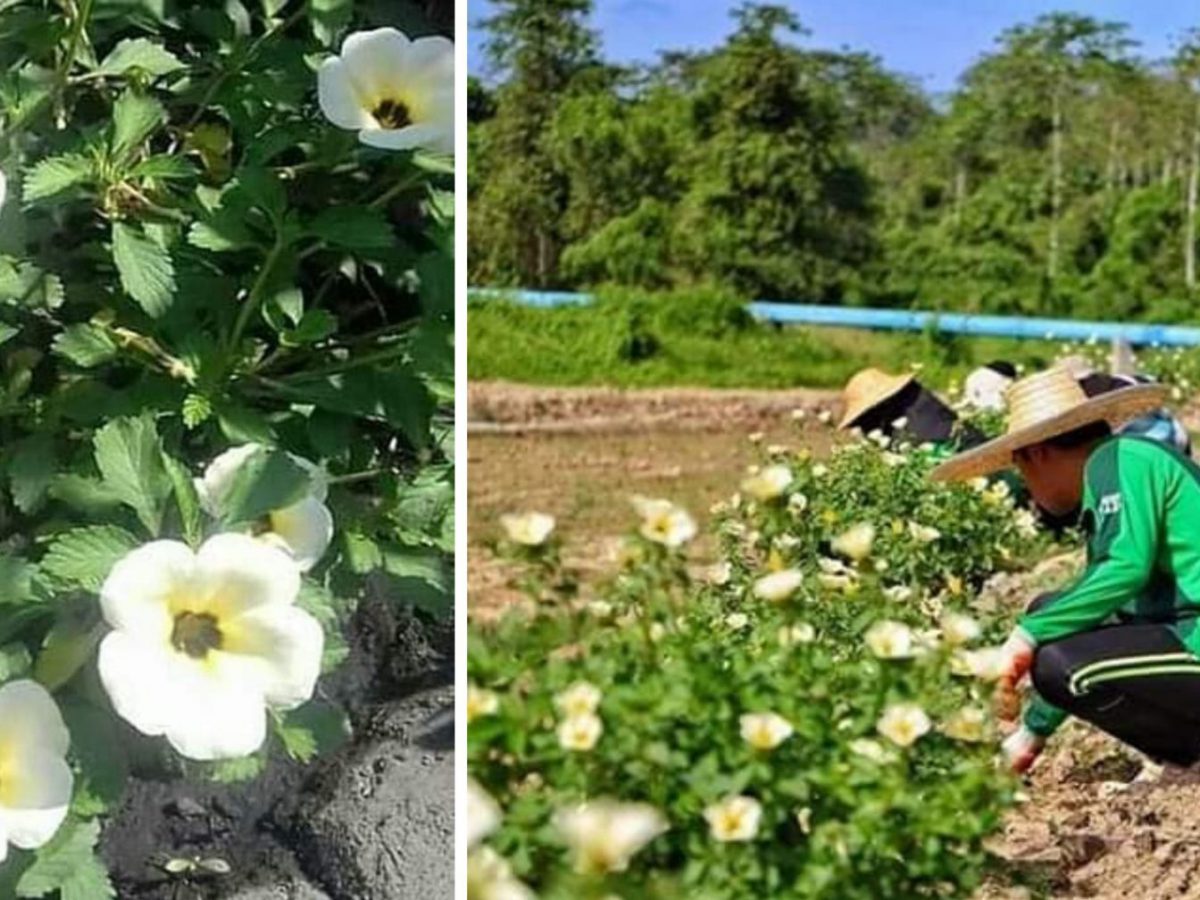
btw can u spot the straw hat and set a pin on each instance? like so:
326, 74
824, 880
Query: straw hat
867, 389
1044, 406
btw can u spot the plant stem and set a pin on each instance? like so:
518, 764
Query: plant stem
365, 475
367, 359
254, 298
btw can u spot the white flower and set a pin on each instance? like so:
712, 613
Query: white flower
604, 835
855, 543
765, 731
489, 877
998, 493
203, 642
397, 93
835, 582
959, 628
663, 522
303, 529
800, 633
820, 470
878, 437
893, 460
980, 484
903, 723
900, 424
737, 621
769, 483
480, 703
580, 733
797, 503
734, 819
799, 414
718, 574
755, 437
529, 529
898, 594
968, 724
778, 586
580, 699
832, 566
890, 640
483, 813
35, 780
986, 664
1026, 523
657, 631
825, 416
872, 750
924, 534
601, 609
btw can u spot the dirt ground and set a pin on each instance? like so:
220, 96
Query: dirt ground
1089, 828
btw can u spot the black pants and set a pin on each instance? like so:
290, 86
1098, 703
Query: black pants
1136, 681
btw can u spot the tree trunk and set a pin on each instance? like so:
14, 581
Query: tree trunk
1189, 246
1056, 140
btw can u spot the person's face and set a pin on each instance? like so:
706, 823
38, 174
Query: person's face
1054, 477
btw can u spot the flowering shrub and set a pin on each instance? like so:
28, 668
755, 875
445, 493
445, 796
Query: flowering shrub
808, 720
226, 238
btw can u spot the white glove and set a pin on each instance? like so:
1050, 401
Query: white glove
1021, 749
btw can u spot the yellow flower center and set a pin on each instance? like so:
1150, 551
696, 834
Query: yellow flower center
196, 634
392, 114
730, 821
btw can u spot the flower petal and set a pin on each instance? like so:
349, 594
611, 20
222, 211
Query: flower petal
376, 62
30, 718
220, 473
305, 529
223, 716
239, 573
431, 137
340, 101
35, 798
285, 646
136, 596
136, 676
429, 64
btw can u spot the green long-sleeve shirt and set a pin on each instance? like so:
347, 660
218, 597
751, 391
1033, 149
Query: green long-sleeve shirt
1141, 511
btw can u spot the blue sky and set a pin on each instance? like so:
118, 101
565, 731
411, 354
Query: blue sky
932, 40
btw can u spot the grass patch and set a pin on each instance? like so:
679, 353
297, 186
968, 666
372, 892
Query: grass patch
704, 338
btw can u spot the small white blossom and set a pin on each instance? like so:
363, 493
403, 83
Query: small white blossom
778, 586
904, 724
734, 819
765, 731
890, 640
580, 733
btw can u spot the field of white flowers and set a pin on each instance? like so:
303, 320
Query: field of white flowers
809, 717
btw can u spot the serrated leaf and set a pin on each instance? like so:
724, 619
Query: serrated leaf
129, 456
85, 344
323, 606
187, 500
88, 495
313, 730
314, 326
195, 410
233, 771
83, 557
362, 553
147, 273
329, 18
420, 577
55, 175
354, 228
244, 425
142, 54
164, 168
267, 481
135, 117
16, 579
29, 472
103, 765
68, 864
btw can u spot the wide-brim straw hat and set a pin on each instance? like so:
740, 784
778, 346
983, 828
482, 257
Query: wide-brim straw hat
1044, 406
866, 390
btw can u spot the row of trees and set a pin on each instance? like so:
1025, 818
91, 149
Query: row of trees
1061, 177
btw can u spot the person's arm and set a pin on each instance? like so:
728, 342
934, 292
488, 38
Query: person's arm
1123, 497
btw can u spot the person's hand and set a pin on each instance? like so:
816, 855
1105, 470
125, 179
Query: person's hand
1021, 749
1016, 659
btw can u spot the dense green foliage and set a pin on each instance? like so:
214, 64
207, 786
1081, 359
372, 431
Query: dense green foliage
192, 258
1061, 177
836, 603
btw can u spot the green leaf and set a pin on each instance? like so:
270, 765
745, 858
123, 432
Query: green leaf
362, 553
85, 344
354, 228
421, 578
315, 325
103, 764
135, 117
30, 470
15, 662
83, 557
267, 481
323, 606
244, 425
436, 272
67, 648
7, 332
129, 456
196, 409
16, 580
234, 771
283, 308
87, 495
55, 175
164, 168
140, 54
186, 499
147, 273
329, 18
315, 729
68, 864
395, 395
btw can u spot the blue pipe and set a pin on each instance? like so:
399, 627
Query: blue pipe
913, 320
